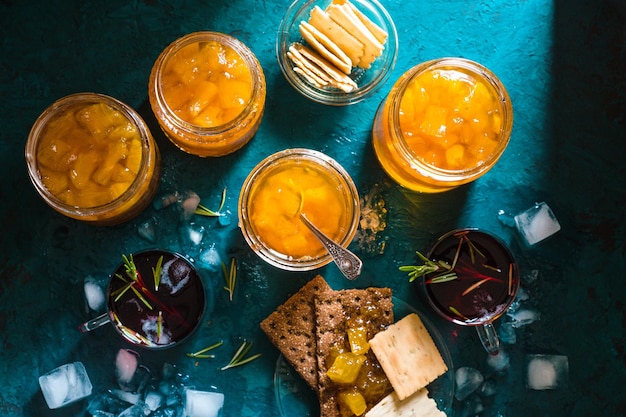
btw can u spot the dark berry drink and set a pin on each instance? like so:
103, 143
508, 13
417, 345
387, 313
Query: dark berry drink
484, 277
156, 298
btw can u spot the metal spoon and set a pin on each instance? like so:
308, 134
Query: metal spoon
347, 262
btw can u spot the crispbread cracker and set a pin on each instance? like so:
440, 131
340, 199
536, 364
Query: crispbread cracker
408, 355
310, 61
345, 17
379, 33
291, 328
335, 313
418, 404
326, 47
351, 46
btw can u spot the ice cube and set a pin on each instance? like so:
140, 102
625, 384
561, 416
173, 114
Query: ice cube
523, 317
190, 236
210, 259
148, 230
498, 361
188, 205
537, 223
66, 384
153, 399
176, 273
225, 218
546, 371
138, 410
126, 363
507, 333
166, 200
467, 380
203, 403
125, 396
94, 294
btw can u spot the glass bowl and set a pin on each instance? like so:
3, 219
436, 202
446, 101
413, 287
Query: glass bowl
368, 80
286, 184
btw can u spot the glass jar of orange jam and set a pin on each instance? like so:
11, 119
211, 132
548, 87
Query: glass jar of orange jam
92, 158
283, 186
207, 91
444, 123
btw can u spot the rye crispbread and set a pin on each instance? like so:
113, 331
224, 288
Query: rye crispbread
337, 311
291, 328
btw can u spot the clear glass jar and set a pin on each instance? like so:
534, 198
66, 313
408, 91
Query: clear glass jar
445, 123
286, 184
93, 158
207, 91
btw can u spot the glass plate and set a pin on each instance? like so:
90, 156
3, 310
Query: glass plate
295, 398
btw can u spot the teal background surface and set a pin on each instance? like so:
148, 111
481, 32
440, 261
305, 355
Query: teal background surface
563, 63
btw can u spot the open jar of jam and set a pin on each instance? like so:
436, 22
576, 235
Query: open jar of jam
281, 188
445, 123
92, 158
207, 90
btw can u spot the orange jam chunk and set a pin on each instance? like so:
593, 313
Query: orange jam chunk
89, 156
450, 119
207, 84
280, 197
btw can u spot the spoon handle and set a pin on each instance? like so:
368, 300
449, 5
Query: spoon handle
347, 262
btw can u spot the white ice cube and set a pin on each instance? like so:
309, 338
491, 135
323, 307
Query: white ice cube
94, 294
467, 380
523, 317
499, 361
546, 371
65, 385
537, 223
203, 403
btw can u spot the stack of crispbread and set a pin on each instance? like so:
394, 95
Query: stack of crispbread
312, 325
313, 322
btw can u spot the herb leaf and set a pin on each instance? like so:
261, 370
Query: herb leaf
239, 357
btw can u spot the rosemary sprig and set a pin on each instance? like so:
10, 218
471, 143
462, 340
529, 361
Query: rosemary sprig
230, 276
203, 211
430, 267
202, 353
156, 273
239, 357
130, 267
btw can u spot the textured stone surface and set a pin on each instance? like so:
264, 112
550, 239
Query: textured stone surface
563, 64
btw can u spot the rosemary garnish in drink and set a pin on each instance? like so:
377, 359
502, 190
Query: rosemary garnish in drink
443, 269
203, 211
156, 273
239, 357
230, 276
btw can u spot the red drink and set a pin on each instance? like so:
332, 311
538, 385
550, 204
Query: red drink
156, 309
486, 277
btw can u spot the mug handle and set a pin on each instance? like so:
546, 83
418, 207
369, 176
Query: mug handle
489, 338
94, 323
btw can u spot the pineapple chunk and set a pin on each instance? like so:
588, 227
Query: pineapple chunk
345, 368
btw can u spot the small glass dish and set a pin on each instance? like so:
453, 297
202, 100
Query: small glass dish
368, 80
286, 184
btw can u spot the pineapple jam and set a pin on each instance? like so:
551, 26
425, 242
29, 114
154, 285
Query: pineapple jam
92, 158
445, 123
283, 186
208, 92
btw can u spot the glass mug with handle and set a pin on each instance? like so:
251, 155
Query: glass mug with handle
155, 299
470, 278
